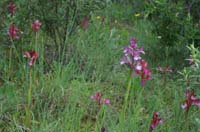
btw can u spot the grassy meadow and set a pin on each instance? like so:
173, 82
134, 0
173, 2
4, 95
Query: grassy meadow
64, 72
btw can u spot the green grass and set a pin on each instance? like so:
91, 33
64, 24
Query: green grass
67, 74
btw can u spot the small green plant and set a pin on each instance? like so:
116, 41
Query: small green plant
190, 78
190, 75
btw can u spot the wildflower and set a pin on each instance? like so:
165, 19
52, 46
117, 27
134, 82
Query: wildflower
13, 32
32, 55
98, 97
133, 59
141, 66
98, 17
36, 25
131, 54
155, 121
143, 70
191, 100
137, 14
12, 8
106, 101
85, 22
146, 75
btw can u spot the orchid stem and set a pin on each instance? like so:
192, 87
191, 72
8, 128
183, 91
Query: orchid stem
127, 93
186, 120
30, 88
123, 115
101, 115
10, 62
15, 50
28, 108
36, 46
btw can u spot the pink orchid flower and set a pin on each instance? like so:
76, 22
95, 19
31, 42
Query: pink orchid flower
85, 22
13, 32
98, 97
155, 121
191, 99
36, 25
32, 55
143, 70
12, 8
106, 101
134, 61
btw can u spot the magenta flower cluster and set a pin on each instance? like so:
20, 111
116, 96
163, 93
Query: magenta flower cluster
135, 62
98, 97
132, 54
12, 8
36, 25
13, 32
155, 121
191, 99
32, 55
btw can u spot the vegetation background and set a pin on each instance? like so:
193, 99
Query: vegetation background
80, 45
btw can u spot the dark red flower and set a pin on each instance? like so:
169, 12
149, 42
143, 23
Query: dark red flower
85, 22
32, 55
155, 121
143, 70
12, 8
190, 100
146, 75
96, 96
36, 25
13, 32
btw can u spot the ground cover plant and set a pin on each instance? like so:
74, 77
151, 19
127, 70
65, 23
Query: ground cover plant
99, 66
